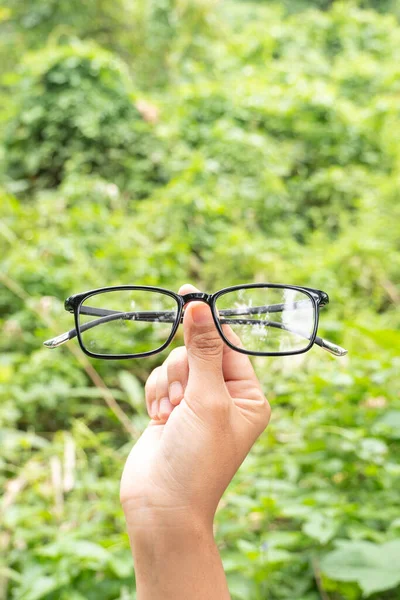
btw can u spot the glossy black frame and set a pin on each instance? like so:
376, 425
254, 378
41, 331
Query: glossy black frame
318, 298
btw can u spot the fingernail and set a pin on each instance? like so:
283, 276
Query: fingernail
165, 407
201, 314
154, 409
175, 392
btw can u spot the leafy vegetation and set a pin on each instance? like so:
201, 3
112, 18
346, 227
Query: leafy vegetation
76, 116
216, 144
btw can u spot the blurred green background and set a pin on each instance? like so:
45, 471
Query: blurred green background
168, 141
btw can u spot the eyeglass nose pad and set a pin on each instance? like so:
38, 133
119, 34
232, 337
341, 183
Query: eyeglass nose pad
198, 296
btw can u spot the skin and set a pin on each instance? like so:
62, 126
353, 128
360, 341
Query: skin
207, 409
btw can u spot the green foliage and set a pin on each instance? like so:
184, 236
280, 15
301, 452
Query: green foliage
301, 5
366, 563
155, 37
76, 114
270, 153
41, 19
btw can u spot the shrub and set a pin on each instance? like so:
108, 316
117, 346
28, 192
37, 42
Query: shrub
76, 113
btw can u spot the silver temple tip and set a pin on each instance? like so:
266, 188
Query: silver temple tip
57, 341
333, 348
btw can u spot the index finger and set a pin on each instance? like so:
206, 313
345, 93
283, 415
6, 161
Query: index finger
235, 365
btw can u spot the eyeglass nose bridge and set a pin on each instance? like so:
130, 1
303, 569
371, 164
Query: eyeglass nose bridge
199, 296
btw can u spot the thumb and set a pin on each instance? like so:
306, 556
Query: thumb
204, 349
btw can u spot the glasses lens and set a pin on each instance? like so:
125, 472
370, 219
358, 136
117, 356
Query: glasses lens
127, 321
278, 320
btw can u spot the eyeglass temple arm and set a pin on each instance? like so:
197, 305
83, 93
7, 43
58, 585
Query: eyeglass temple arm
168, 317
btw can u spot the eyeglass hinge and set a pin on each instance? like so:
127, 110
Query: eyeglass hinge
68, 305
323, 299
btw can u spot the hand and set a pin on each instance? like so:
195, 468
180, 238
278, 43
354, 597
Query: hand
193, 446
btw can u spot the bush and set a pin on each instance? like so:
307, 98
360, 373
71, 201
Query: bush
280, 163
76, 113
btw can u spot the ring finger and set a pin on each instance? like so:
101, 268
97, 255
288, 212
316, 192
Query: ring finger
164, 405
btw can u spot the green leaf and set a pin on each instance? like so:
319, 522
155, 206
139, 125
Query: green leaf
390, 421
10, 439
395, 524
372, 449
121, 564
242, 588
80, 549
134, 390
382, 337
9, 574
234, 561
320, 528
375, 567
43, 585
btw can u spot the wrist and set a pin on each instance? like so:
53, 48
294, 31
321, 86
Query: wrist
176, 533
160, 537
175, 557
178, 521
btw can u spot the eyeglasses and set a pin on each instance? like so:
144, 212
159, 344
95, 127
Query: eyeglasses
135, 321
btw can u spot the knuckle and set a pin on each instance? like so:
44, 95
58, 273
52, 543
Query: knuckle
148, 388
150, 385
206, 344
265, 410
260, 415
178, 351
234, 339
261, 411
177, 364
176, 357
237, 341
162, 383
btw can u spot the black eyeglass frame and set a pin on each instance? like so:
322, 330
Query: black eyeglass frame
318, 298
